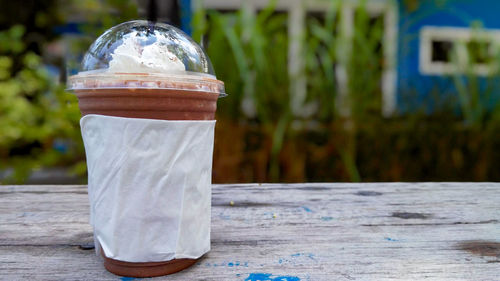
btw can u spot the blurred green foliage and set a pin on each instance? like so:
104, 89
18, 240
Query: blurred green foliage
257, 68
259, 137
249, 52
270, 143
35, 111
39, 120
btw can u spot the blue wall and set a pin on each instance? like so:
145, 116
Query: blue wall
429, 92
186, 15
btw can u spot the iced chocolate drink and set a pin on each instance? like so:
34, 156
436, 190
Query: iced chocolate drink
146, 70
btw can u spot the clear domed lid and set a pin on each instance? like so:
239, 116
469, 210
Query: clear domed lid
151, 54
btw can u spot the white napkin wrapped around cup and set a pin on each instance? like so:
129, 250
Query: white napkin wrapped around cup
149, 186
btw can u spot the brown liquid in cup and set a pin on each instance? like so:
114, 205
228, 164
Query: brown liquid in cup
163, 104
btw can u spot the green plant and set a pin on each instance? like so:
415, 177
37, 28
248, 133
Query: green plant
321, 48
364, 71
249, 52
36, 113
39, 119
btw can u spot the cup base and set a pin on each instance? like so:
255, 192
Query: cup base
146, 269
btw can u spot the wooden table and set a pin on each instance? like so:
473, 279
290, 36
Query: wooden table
280, 232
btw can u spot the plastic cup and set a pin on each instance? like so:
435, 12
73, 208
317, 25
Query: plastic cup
147, 81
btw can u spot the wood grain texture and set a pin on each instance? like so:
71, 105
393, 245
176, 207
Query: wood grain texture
281, 232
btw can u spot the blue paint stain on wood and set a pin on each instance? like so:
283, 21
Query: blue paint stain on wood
270, 277
326, 218
309, 255
307, 209
127, 278
298, 258
391, 239
259, 277
227, 264
286, 278
223, 216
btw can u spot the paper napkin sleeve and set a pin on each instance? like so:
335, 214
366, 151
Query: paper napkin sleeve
149, 184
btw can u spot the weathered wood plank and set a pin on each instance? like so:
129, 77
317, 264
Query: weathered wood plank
324, 231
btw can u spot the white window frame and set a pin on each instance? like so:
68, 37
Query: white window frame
460, 37
389, 11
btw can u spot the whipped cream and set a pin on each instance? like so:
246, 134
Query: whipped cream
133, 57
